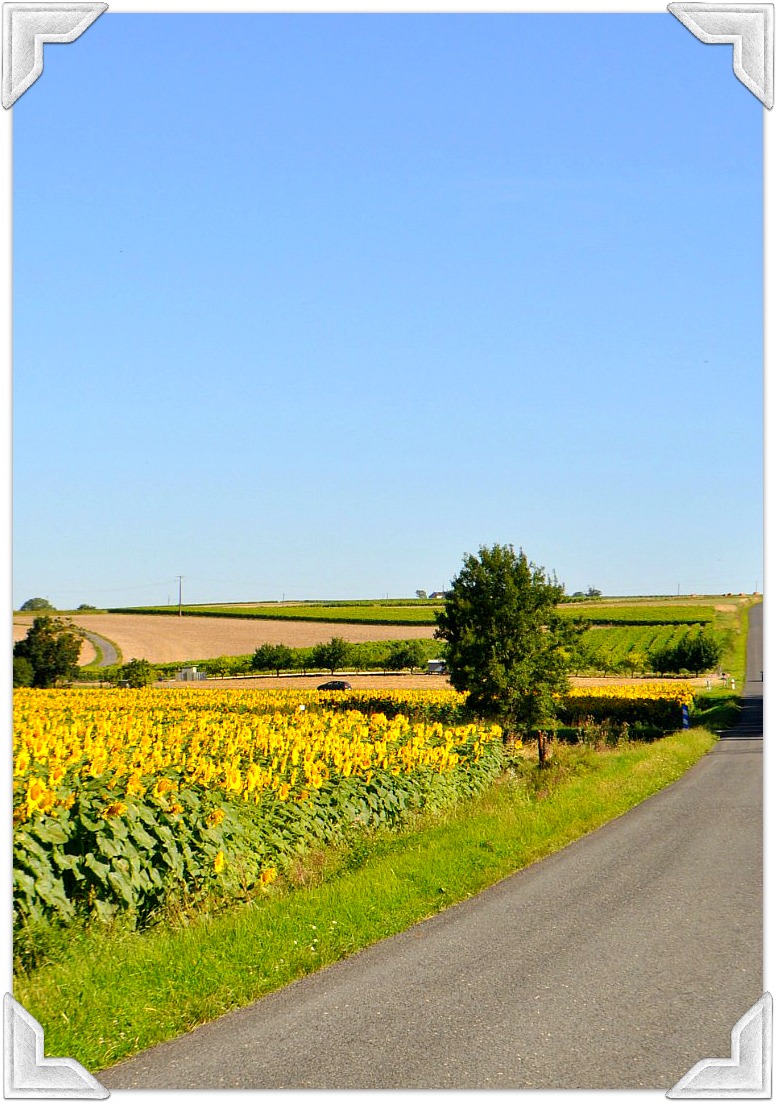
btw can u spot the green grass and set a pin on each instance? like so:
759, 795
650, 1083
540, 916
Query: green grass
720, 708
107, 994
738, 626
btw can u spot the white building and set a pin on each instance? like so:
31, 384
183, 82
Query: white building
190, 673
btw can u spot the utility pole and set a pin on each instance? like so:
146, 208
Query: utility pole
180, 594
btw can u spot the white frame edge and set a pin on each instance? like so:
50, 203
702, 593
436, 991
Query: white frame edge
747, 1073
26, 28
748, 28
30, 1074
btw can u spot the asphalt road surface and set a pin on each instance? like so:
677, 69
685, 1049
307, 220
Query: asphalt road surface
619, 963
109, 653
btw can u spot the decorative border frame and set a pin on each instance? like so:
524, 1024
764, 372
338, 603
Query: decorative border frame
747, 1074
26, 27
748, 28
30, 1074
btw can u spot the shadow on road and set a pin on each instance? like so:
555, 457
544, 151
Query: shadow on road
750, 725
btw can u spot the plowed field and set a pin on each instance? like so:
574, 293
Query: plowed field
188, 638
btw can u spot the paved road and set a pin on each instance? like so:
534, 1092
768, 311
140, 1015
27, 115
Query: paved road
110, 655
617, 963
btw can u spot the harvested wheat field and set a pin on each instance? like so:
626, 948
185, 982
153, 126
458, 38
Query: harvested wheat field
21, 627
188, 638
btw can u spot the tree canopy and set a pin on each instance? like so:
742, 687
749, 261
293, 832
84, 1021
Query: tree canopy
137, 673
51, 647
331, 656
23, 673
273, 656
37, 604
694, 652
506, 644
405, 654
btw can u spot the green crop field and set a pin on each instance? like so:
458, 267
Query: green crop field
414, 612
638, 613
627, 648
373, 612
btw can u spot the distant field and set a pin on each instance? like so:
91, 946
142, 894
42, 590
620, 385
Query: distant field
335, 612
648, 614
189, 638
634, 611
213, 631
609, 647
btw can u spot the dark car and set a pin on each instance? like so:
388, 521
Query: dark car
336, 685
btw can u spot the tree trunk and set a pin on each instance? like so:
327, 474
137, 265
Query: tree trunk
542, 742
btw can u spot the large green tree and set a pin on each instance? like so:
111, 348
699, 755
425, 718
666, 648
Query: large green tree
37, 604
331, 656
137, 673
52, 647
273, 656
506, 644
406, 654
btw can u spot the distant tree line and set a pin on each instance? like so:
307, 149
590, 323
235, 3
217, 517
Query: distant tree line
590, 594
42, 604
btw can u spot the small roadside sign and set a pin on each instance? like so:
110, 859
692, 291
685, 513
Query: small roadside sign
685, 717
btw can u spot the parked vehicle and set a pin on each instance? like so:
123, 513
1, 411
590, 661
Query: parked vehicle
336, 685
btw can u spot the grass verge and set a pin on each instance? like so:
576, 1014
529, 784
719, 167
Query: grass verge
111, 993
720, 708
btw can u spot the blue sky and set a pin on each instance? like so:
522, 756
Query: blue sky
313, 305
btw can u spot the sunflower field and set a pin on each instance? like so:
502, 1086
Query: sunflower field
124, 798
655, 704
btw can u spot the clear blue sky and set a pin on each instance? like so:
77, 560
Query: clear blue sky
313, 305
